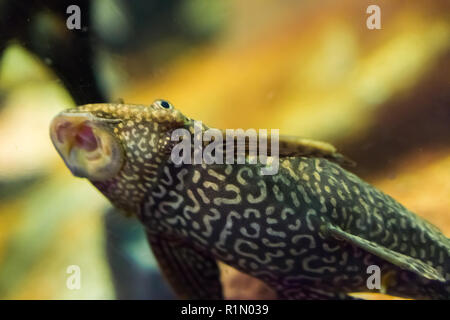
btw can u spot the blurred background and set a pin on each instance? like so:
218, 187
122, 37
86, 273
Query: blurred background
307, 67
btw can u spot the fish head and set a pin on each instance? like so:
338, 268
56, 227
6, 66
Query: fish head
118, 147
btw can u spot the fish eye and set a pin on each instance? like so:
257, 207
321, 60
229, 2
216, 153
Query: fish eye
164, 104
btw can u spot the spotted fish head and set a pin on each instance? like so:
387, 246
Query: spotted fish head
118, 147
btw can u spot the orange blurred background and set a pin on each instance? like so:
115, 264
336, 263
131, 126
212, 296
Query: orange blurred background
308, 68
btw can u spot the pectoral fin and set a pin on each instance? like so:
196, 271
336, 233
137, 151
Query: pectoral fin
399, 259
191, 273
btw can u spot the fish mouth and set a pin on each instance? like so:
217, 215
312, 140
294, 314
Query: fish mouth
87, 147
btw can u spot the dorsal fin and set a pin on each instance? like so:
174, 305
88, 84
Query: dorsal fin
302, 147
299, 147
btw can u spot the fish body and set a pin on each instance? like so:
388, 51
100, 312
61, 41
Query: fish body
313, 230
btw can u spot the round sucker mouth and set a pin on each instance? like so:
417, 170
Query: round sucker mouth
88, 148
61, 129
86, 139
73, 133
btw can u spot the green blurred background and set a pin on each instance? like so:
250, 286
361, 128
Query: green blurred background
309, 68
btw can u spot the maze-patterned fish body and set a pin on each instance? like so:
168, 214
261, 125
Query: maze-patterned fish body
311, 231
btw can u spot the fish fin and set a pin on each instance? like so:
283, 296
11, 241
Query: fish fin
191, 273
289, 146
302, 147
374, 296
399, 259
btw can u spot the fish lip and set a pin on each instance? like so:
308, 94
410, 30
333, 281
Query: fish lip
65, 114
88, 115
90, 164
77, 171
75, 113
66, 148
